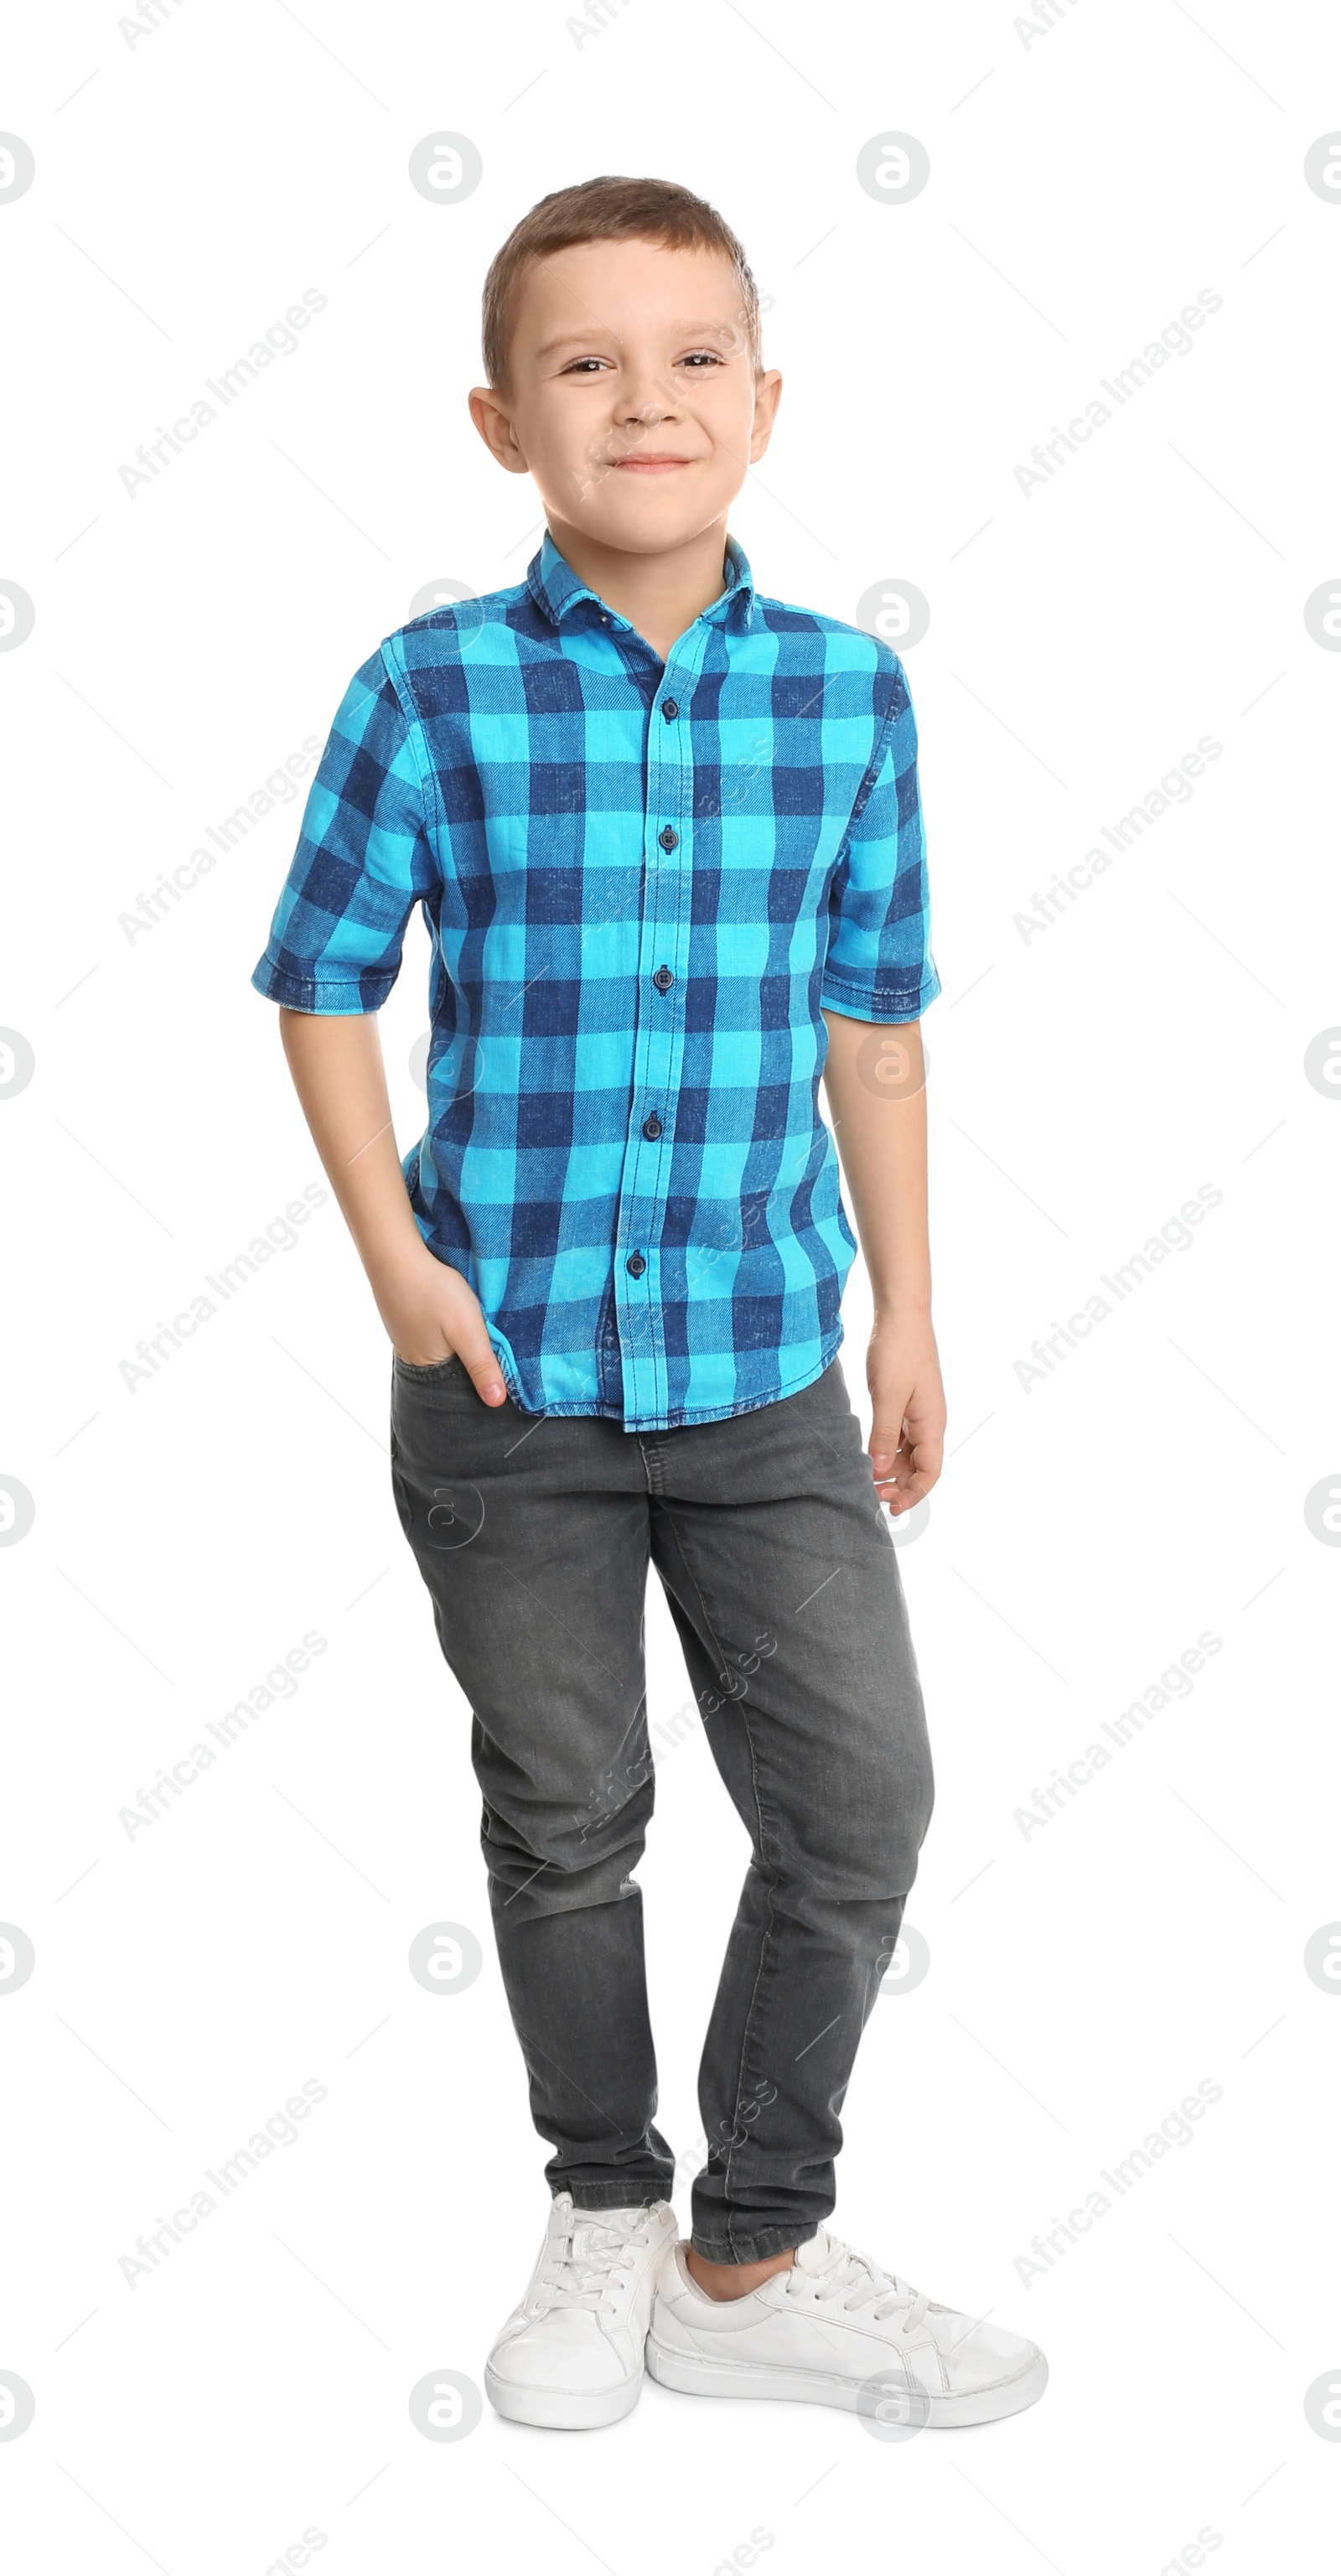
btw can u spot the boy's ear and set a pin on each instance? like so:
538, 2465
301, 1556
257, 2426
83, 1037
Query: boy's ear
767, 396
494, 423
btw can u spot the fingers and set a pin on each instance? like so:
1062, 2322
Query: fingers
885, 1444
475, 1352
432, 1314
905, 1479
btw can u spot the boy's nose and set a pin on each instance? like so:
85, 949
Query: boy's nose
646, 400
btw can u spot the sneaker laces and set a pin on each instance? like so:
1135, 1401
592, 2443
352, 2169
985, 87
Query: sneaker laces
582, 2275
855, 2278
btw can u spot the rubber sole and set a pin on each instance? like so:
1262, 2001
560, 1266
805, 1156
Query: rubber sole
562, 2410
714, 2378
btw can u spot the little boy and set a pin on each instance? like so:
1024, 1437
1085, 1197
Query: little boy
667, 838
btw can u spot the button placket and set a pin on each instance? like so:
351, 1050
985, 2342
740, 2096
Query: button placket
657, 1051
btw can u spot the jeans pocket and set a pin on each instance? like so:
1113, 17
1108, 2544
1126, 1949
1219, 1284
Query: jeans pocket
428, 1374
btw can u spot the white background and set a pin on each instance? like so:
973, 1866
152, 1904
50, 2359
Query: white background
1085, 1977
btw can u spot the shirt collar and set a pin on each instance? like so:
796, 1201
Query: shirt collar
556, 589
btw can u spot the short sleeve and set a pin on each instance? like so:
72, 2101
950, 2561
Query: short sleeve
362, 863
880, 965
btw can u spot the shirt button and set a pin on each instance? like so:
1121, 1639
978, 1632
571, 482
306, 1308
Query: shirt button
635, 1265
663, 979
670, 709
652, 1127
669, 840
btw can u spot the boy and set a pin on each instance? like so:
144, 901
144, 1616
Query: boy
667, 838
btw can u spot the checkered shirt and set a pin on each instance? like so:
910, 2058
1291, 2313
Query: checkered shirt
644, 884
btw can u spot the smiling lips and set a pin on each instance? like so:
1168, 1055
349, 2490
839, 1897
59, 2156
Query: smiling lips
651, 464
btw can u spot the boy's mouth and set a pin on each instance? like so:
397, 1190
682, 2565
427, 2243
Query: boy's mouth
652, 464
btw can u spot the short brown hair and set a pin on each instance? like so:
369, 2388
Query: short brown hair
654, 210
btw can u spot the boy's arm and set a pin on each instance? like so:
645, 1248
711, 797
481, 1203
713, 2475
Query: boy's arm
879, 1107
429, 1310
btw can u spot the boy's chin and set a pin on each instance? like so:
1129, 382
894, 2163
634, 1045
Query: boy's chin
647, 521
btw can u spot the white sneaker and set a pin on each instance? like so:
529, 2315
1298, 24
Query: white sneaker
834, 2330
572, 2354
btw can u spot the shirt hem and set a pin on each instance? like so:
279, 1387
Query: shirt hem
299, 993
682, 1418
885, 1003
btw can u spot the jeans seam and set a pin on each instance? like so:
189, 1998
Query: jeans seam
765, 2241
759, 1974
759, 1812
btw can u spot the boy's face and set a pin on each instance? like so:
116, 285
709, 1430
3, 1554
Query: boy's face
633, 400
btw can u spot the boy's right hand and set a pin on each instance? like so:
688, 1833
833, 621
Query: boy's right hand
429, 1310
431, 1313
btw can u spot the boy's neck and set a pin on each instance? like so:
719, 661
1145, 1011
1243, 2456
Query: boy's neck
660, 594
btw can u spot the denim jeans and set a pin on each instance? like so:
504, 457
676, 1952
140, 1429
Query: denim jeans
533, 1534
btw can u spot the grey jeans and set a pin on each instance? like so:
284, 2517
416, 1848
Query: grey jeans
533, 1534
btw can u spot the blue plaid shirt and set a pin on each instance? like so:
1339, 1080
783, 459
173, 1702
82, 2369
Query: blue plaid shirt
643, 883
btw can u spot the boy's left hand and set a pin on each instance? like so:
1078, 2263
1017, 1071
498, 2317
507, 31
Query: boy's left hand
903, 1372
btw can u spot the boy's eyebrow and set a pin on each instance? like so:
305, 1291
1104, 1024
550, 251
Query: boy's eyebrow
569, 339
606, 330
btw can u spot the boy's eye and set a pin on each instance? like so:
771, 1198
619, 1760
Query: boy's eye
699, 360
